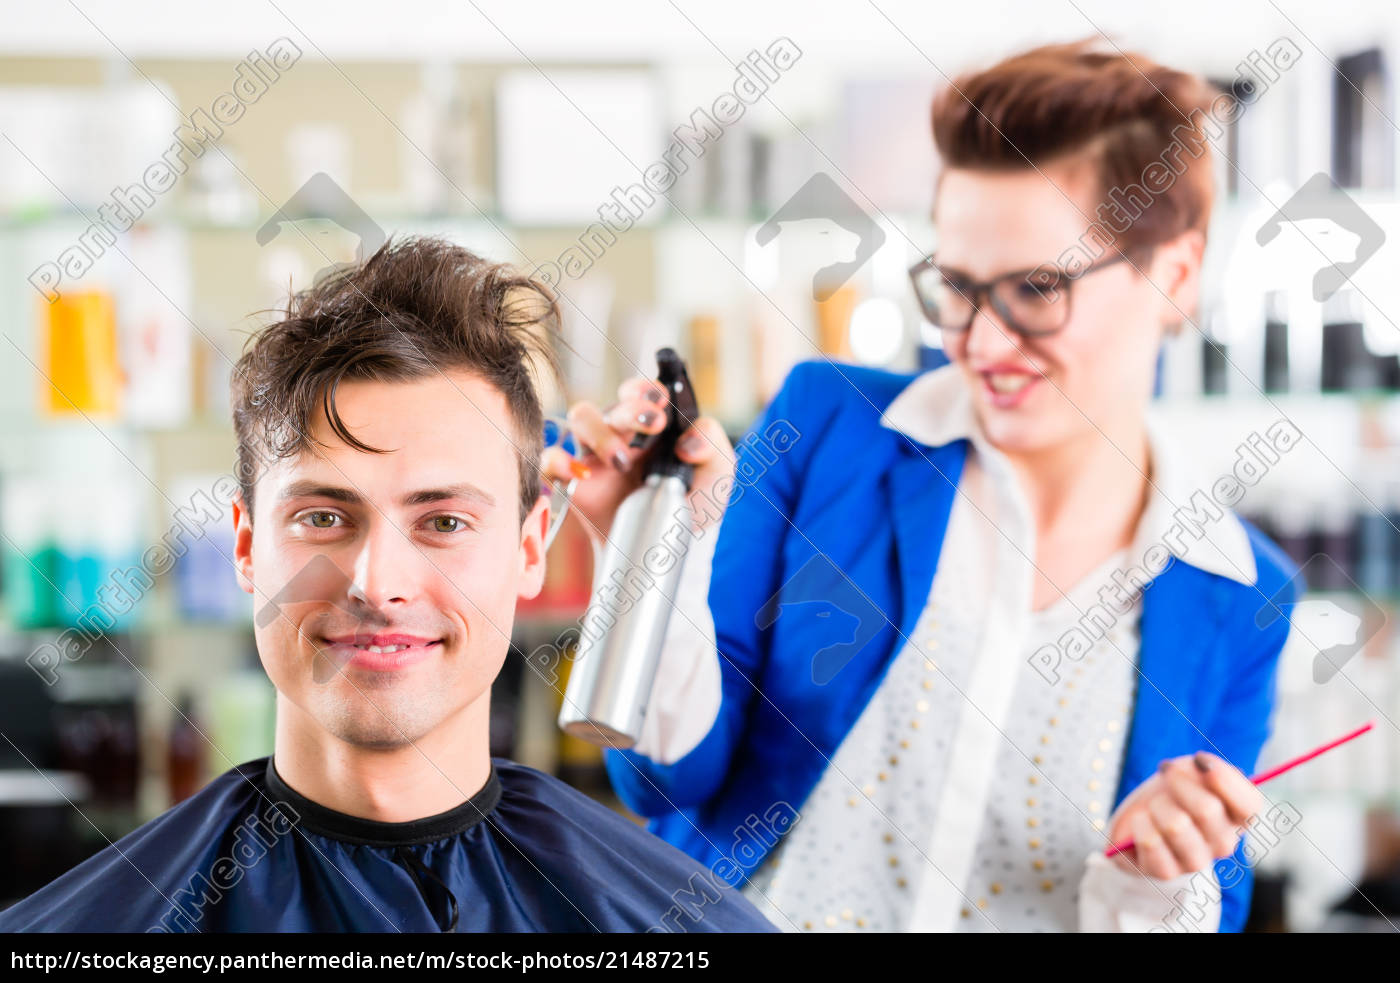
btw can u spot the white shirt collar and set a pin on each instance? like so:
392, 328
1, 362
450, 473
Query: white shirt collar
936, 409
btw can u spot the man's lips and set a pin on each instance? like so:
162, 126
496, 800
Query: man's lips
379, 652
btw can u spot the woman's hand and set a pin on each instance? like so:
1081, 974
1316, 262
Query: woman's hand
609, 470
1185, 817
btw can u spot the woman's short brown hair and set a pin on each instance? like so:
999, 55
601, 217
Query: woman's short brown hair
1142, 126
416, 308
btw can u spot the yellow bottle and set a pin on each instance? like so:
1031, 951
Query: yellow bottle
80, 356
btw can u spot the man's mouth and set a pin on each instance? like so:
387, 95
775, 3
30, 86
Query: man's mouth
381, 652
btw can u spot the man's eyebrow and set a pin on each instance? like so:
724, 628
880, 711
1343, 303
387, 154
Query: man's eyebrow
348, 496
314, 489
461, 490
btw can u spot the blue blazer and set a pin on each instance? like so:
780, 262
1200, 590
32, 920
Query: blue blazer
850, 519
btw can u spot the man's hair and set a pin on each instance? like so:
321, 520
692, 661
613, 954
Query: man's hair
1120, 111
417, 308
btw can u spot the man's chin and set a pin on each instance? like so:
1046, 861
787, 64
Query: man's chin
371, 739
377, 728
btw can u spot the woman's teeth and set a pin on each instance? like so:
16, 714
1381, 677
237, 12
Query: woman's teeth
381, 648
1008, 382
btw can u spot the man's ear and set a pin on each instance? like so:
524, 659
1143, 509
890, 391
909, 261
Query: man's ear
532, 554
242, 543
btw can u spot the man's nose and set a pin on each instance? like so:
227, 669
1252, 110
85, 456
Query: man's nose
388, 567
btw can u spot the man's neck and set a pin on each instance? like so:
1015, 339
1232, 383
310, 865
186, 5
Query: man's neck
437, 772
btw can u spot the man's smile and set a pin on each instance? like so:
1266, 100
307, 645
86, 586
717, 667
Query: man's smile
382, 652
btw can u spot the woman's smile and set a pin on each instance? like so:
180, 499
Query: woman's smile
1006, 388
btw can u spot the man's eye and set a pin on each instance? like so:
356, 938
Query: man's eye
321, 520
448, 523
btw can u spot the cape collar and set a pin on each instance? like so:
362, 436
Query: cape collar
316, 818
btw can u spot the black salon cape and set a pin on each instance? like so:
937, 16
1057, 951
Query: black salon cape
525, 854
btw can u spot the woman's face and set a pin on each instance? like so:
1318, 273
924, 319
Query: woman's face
1094, 376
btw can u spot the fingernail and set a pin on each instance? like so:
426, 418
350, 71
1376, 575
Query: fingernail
619, 460
652, 396
1202, 762
579, 470
646, 418
691, 444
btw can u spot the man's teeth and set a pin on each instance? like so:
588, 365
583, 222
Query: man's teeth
381, 648
1008, 382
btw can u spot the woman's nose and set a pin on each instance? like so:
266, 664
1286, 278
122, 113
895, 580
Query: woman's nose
988, 340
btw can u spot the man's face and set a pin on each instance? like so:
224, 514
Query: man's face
386, 584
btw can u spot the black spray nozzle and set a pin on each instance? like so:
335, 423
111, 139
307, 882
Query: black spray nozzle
681, 414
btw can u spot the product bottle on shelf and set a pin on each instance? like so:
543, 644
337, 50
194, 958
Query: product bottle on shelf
1347, 364
1276, 342
1374, 541
184, 753
1214, 366
30, 553
1392, 532
1291, 523
82, 374
1334, 536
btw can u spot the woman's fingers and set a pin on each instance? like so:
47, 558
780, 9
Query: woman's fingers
608, 434
706, 446
642, 389
1178, 830
1241, 797
635, 415
1186, 816
704, 443
605, 437
593, 432
1151, 854
1207, 810
557, 465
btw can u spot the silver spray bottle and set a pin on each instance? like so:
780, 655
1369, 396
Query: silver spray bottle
634, 587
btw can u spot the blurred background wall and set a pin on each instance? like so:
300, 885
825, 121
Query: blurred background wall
168, 173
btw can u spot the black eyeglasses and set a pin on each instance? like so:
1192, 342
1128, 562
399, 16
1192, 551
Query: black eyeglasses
1033, 303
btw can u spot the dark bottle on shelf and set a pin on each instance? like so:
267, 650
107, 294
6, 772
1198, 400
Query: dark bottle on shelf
1214, 366
96, 725
1276, 342
184, 753
505, 706
1347, 364
1389, 366
1334, 535
1261, 520
1291, 523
